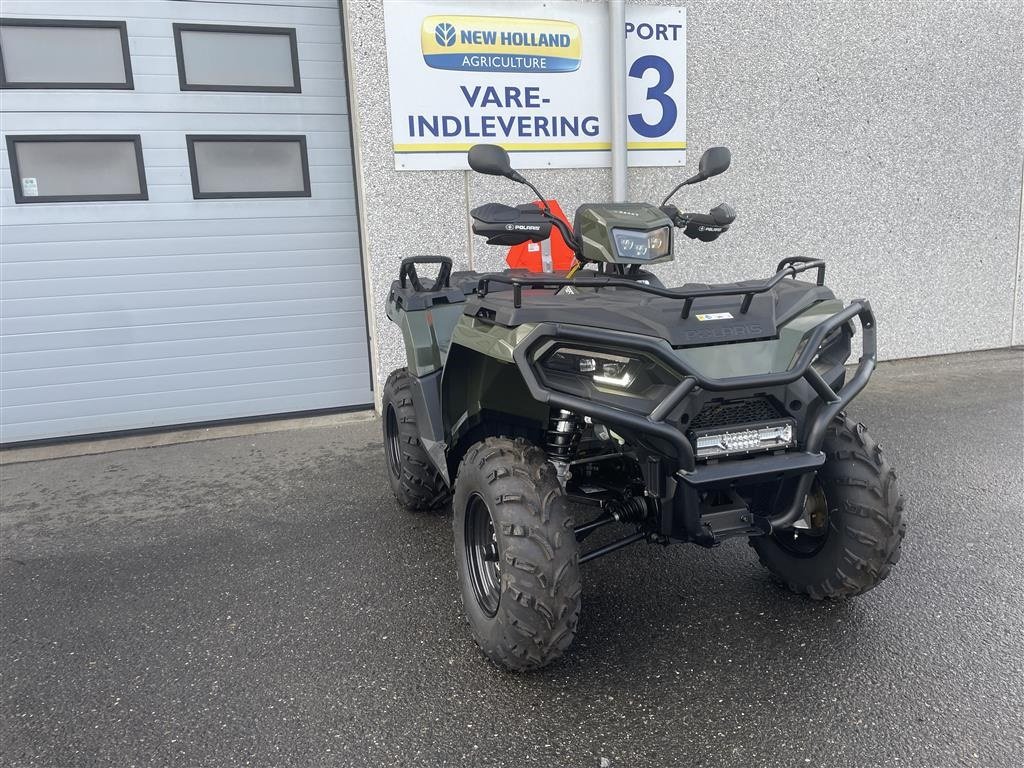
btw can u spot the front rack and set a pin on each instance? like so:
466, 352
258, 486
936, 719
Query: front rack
788, 267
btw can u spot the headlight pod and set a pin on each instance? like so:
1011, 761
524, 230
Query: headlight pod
620, 372
642, 246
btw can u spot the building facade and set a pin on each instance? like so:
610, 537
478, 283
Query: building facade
200, 213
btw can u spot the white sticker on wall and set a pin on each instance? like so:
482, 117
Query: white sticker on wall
29, 187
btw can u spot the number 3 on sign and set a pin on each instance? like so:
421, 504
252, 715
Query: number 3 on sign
656, 85
657, 92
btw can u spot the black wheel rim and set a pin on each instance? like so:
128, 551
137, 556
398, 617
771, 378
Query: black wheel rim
481, 545
809, 541
391, 437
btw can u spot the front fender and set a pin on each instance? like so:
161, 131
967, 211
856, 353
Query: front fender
484, 396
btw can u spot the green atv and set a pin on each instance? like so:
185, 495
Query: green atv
547, 406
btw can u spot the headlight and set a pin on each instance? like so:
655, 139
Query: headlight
631, 244
609, 370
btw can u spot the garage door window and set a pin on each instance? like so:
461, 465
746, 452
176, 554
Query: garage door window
220, 58
248, 166
62, 169
45, 53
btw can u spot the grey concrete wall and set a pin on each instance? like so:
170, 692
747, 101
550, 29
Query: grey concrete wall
884, 136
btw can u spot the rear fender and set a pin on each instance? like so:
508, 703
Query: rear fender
427, 333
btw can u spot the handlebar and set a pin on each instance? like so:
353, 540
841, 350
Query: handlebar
702, 226
565, 231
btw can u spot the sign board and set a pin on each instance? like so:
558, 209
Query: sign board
534, 78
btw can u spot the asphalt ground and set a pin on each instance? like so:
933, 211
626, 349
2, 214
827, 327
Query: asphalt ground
262, 600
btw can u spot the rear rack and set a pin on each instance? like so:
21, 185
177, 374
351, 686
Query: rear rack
788, 267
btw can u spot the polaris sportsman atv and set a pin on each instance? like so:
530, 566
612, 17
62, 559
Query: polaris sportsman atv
547, 406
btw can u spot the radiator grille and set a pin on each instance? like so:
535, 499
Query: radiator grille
722, 413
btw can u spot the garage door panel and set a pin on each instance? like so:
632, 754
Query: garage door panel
155, 400
177, 300
154, 58
76, 231
182, 280
154, 78
328, 177
157, 102
160, 90
237, 408
173, 192
165, 129
177, 157
164, 246
152, 35
211, 326
128, 382
68, 366
298, 208
316, 49
127, 325
142, 380
181, 212
219, 403
189, 262
170, 193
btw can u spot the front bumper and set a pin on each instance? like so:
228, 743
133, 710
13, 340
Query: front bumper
692, 478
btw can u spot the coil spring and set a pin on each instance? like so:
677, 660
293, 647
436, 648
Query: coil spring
564, 430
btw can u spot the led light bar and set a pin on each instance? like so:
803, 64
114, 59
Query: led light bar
736, 440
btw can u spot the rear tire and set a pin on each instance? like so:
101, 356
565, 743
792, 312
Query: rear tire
861, 528
414, 481
516, 553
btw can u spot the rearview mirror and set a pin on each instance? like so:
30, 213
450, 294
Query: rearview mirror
490, 159
713, 162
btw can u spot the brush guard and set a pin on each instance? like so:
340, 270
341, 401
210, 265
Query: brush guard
691, 479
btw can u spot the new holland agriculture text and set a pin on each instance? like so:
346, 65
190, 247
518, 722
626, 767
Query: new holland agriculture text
496, 44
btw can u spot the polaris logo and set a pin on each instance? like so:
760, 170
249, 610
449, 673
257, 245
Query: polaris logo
522, 228
724, 333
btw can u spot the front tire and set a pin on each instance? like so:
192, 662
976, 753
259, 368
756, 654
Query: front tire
414, 481
516, 553
852, 528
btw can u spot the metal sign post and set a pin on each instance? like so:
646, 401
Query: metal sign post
617, 81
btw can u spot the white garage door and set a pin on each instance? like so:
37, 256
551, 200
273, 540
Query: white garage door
179, 238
